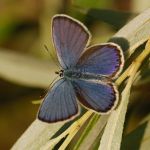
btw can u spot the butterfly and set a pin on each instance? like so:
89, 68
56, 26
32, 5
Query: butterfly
86, 76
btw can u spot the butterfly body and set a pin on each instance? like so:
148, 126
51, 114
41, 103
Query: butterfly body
87, 73
75, 74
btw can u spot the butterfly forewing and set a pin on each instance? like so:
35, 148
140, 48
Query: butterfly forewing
70, 39
98, 96
60, 103
105, 59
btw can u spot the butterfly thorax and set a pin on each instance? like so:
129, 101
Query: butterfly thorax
73, 74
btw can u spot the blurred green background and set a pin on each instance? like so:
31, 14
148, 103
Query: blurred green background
27, 69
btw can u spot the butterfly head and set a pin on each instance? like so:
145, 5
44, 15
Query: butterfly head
60, 73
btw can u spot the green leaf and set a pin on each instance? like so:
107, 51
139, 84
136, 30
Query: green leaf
111, 138
138, 138
6, 29
91, 4
112, 17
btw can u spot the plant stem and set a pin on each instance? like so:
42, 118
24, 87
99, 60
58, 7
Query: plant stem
72, 130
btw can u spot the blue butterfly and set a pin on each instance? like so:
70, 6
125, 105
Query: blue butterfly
87, 73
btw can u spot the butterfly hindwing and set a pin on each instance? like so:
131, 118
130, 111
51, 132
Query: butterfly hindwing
104, 59
70, 39
60, 103
96, 95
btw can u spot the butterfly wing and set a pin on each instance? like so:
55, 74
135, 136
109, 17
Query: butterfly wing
98, 96
70, 38
105, 59
60, 103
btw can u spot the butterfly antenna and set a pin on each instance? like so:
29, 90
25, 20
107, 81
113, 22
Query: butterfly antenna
53, 81
51, 55
49, 87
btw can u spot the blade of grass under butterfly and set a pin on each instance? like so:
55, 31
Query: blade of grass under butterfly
90, 134
36, 135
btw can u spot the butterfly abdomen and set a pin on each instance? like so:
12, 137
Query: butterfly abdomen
77, 74
72, 74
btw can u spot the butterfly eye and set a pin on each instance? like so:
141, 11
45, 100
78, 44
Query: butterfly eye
60, 73
56, 72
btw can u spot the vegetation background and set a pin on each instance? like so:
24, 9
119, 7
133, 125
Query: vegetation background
26, 68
